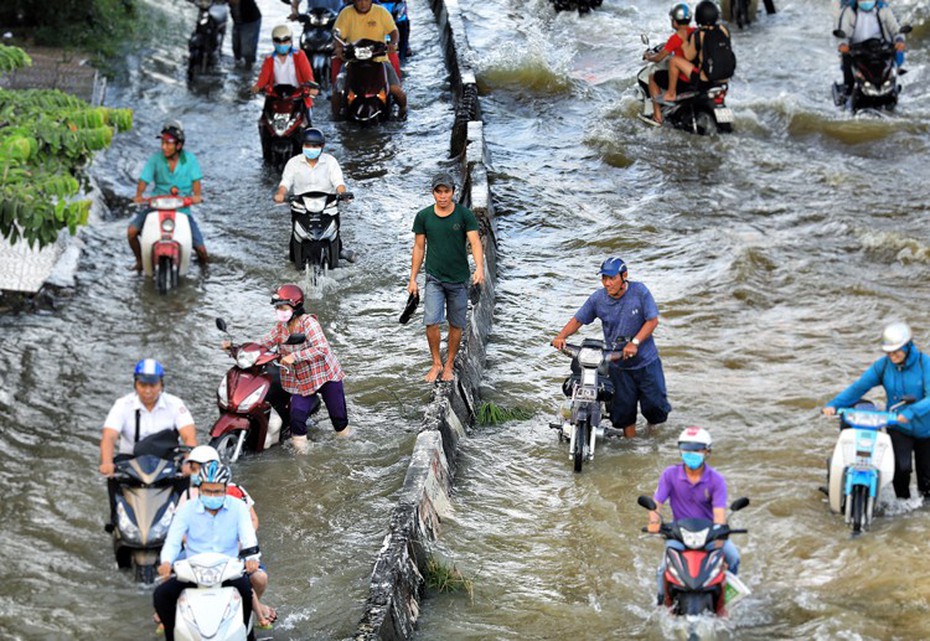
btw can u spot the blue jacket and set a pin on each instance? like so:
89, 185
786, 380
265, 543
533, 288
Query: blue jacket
911, 378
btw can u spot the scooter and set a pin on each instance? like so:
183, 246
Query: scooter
362, 84
875, 76
250, 400
282, 123
166, 241
696, 579
588, 386
148, 490
206, 42
700, 112
315, 241
209, 610
317, 38
862, 464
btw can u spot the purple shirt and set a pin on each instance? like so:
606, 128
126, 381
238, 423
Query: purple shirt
692, 501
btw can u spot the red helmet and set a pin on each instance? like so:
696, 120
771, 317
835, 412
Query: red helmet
289, 294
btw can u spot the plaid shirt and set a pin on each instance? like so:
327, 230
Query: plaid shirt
314, 363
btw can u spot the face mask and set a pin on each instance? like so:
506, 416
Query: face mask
283, 315
693, 460
195, 479
867, 6
212, 502
282, 50
312, 152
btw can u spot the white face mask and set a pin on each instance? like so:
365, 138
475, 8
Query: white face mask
283, 314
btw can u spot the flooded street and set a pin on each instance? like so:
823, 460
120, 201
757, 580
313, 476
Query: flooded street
775, 255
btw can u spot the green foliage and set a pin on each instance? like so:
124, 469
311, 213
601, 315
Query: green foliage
47, 138
445, 577
492, 414
13, 58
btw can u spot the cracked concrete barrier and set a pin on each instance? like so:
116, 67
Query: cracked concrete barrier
397, 584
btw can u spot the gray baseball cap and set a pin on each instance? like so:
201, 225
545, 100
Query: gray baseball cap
443, 179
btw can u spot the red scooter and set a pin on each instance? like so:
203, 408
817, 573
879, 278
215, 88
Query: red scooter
166, 240
281, 126
253, 407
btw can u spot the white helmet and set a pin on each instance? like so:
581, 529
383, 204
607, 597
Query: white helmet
896, 336
695, 438
281, 32
203, 454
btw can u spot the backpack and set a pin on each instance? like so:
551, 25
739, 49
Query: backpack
719, 62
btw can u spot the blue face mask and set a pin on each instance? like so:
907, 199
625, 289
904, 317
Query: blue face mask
195, 479
312, 152
693, 460
868, 5
212, 502
282, 50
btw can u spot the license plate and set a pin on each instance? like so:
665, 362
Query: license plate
723, 114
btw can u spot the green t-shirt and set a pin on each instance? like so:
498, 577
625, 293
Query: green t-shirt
446, 256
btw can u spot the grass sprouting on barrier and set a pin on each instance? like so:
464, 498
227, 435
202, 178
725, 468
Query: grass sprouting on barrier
492, 414
446, 577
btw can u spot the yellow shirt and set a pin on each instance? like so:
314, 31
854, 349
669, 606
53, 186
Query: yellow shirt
374, 25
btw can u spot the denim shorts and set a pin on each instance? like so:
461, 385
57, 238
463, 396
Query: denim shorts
138, 221
442, 298
644, 386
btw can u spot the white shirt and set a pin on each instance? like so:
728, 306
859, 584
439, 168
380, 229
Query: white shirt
285, 73
169, 413
867, 27
299, 177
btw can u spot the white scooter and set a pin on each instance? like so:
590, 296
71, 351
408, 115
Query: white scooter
166, 241
210, 611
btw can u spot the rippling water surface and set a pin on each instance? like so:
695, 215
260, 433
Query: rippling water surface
775, 255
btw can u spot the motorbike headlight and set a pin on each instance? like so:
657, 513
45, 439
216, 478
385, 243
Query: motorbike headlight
317, 20
222, 394
281, 123
249, 401
363, 53
590, 357
208, 575
127, 528
167, 225
246, 359
160, 529
694, 540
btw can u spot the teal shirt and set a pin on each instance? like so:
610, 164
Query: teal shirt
162, 179
446, 238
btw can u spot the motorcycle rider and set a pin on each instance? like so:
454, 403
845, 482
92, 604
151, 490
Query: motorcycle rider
198, 457
362, 20
212, 523
288, 65
903, 371
307, 369
629, 315
864, 20
146, 411
658, 81
313, 171
174, 167
690, 65
694, 490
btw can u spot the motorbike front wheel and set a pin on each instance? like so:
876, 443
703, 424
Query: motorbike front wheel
225, 446
582, 435
859, 498
145, 574
166, 275
694, 603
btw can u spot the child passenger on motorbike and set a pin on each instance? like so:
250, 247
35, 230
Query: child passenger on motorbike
690, 65
694, 490
658, 81
309, 370
903, 371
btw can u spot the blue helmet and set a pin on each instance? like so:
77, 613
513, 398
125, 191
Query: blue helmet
215, 472
150, 371
612, 266
680, 13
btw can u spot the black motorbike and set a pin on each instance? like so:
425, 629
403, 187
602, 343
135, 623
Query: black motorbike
365, 94
315, 240
206, 41
146, 490
317, 38
583, 6
875, 76
283, 121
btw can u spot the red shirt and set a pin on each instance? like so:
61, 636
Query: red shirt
301, 65
314, 362
673, 45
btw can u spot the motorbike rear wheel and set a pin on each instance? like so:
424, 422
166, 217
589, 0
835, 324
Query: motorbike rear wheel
225, 446
582, 435
859, 498
704, 123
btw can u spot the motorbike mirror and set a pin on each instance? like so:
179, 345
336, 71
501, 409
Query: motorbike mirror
221, 325
906, 29
295, 339
646, 502
739, 504
839, 33
644, 38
